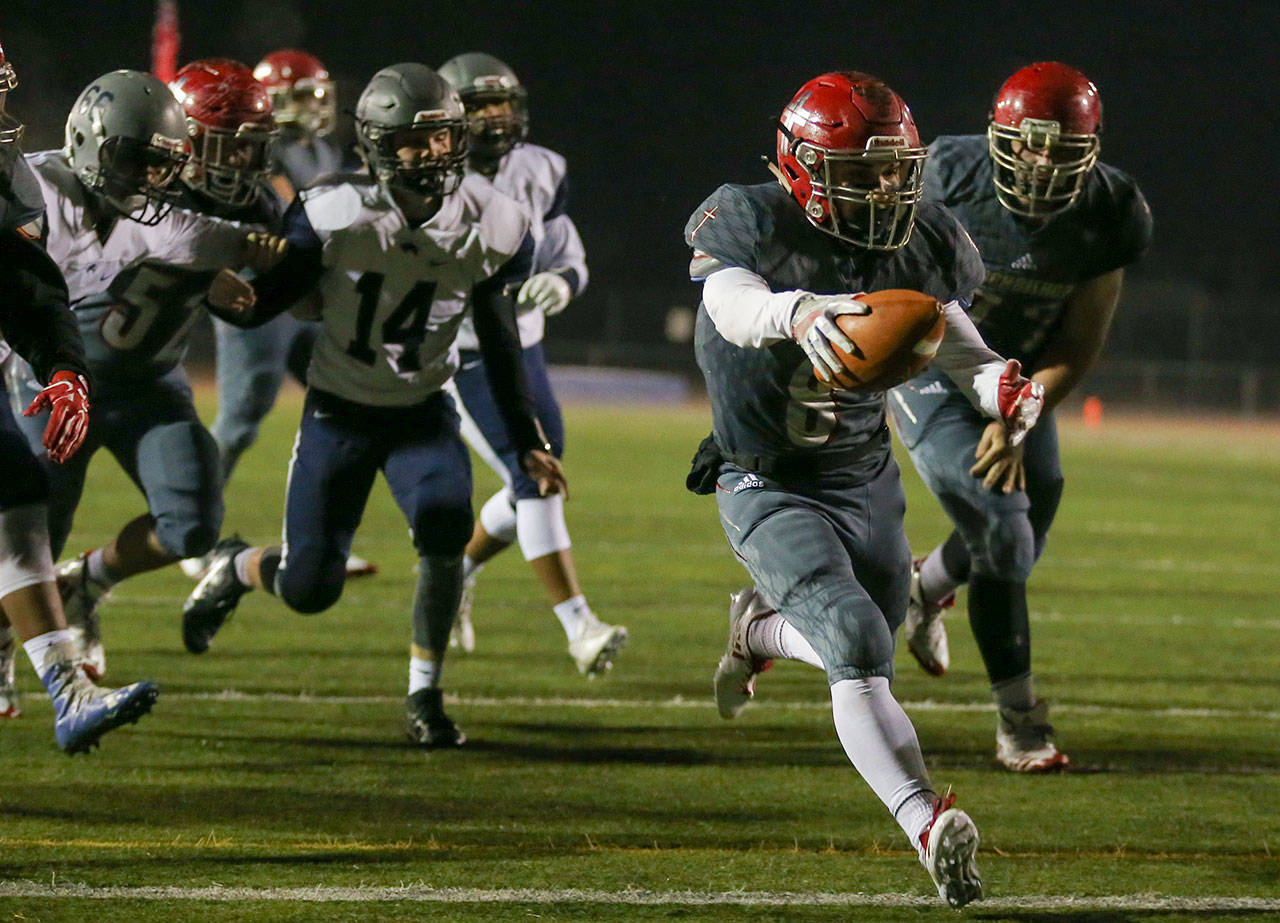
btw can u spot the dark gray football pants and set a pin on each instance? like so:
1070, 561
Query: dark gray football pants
834, 561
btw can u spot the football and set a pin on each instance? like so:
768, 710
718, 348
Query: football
895, 342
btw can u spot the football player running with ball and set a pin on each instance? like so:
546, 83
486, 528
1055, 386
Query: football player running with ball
1056, 228
808, 491
396, 257
37, 323
534, 176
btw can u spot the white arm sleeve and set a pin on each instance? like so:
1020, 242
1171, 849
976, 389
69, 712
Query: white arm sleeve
745, 311
969, 361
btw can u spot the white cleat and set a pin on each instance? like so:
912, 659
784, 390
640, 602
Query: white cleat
1024, 740
735, 679
926, 635
10, 706
359, 567
596, 645
948, 848
80, 600
196, 568
463, 633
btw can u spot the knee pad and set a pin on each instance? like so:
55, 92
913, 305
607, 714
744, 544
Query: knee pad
498, 516
853, 640
540, 526
1007, 551
179, 469
25, 559
308, 588
442, 528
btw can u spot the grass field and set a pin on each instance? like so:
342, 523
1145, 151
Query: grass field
271, 782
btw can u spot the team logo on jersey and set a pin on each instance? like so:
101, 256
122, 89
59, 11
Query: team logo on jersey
748, 482
708, 214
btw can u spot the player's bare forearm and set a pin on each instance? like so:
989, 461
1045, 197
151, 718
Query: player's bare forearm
1078, 345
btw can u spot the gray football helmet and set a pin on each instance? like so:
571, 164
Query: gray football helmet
127, 141
10, 128
410, 106
485, 83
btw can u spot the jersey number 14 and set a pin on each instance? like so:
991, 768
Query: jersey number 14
405, 327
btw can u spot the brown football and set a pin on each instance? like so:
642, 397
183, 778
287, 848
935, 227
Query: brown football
895, 342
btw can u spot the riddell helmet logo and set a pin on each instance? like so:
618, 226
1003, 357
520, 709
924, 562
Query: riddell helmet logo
882, 141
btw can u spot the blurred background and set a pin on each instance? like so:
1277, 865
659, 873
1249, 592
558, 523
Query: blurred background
655, 105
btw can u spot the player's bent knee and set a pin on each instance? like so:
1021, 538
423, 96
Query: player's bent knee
1008, 551
187, 538
852, 639
309, 597
442, 529
25, 559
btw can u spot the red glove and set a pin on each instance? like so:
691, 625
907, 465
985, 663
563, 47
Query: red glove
66, 397
1020, 401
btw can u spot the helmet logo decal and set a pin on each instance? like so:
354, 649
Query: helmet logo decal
707, 215
883, 141
429, 115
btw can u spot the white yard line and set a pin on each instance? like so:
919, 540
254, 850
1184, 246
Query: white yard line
427, 894
679, 702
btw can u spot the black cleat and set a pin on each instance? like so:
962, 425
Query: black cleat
215, 597
426, 724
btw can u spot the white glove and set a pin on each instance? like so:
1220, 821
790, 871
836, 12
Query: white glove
1020, 400
549, 292
814, 327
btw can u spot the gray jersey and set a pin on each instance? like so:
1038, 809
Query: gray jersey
137, 293
1033, 267
767, 401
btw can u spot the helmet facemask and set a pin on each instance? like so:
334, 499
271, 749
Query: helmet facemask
229, 166
132, 176
306, 108
498, 118
10, 128
865, 197
1038, 169
427, 158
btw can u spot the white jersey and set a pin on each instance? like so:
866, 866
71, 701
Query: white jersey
136, 294
535, 177
393, 296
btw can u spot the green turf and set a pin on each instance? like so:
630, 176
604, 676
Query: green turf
1155, 626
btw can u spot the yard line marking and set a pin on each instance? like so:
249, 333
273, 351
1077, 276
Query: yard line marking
426, 894
680, 702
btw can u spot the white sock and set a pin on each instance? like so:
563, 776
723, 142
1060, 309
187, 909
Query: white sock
935, 583
914, 814
241, 565
423, 674
42, 649
96, 569
1018, 693
470, 567
773, 636
880, 741
572, 613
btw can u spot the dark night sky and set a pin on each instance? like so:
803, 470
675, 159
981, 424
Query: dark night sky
655, 104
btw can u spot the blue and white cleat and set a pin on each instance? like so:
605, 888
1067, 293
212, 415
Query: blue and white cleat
84, 712
947, 849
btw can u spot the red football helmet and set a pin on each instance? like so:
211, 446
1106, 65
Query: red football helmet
849, 153
301, 91
10, 128
1043, 138
231, 128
